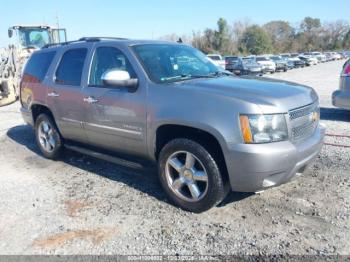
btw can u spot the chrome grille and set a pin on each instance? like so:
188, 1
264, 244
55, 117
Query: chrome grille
303, 121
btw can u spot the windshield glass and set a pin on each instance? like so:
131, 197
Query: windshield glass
168, 62
261, 59
231, 59
34, 37
276, 58
248, 61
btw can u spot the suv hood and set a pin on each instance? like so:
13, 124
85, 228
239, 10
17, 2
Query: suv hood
272, 96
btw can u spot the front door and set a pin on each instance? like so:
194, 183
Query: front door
115, 117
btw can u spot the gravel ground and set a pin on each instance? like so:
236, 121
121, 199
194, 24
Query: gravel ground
80, 205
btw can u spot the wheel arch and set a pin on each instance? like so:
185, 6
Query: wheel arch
167, 132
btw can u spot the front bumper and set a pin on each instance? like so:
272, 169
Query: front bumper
341, 98
27, 116
269, 68
255, 167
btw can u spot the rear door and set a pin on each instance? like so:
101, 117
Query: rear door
65, 97
115, 117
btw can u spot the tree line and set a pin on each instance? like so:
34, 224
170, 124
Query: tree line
243, 37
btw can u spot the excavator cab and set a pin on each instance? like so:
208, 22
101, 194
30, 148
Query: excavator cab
37, 36
25, 40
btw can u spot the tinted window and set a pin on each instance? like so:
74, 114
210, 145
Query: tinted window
37, 66
261, 59
71, 67
231, 59
105, 59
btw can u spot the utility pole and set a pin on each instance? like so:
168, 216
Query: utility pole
57, 21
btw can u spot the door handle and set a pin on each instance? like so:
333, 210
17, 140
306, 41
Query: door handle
90, 100
53, 94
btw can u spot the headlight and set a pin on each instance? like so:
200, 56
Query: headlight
263, 128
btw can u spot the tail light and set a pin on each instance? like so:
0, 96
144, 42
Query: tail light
346, 70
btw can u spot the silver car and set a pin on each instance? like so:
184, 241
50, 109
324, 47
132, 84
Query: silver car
341, 97
136, 102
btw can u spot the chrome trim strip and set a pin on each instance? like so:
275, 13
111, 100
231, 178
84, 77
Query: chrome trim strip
70, 120
114, 129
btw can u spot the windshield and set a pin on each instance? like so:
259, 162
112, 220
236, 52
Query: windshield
248, 61
34, 37
168, 62
231, 59
276, 58
261, 59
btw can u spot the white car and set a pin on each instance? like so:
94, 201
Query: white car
311, 59
320, 57
336, 56
267, 64
217, 60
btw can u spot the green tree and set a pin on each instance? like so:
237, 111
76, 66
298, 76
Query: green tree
311, 29
346, 41
255, 41
281, 35
221, 41
309, 24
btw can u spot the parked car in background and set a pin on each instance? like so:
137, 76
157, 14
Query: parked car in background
343, 55
281, 64
329, 56
285, 55
320, 57
246, 66
309, 60
217, 59
336, 55
341, 97
290, 64
267, 64
297, 62
230, 62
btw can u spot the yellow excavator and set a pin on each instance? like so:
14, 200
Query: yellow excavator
25, 40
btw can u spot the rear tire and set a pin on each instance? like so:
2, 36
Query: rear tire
48, 137
190, 176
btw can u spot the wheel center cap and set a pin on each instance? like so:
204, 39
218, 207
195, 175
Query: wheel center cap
188, 174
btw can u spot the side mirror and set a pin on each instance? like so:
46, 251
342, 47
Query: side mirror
119, 78
10, 33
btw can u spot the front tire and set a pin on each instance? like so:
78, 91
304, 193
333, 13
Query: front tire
48, 137
190, 176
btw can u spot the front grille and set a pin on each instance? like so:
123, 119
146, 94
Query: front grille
304, 121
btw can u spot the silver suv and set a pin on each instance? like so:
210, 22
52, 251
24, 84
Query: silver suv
341, 97
133, 102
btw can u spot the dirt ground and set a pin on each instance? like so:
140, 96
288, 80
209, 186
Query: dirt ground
80, 205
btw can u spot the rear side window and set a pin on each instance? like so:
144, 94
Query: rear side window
70, 69
37, 67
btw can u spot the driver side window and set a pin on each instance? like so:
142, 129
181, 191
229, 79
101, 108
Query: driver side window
105, 59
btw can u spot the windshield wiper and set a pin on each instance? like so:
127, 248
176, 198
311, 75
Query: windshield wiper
188, 76
220, 73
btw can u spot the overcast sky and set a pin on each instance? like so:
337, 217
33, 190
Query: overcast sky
154, 18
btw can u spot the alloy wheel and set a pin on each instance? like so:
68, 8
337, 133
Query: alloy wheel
186, 176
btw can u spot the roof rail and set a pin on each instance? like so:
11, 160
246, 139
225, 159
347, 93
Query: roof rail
99, 38
84, 39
